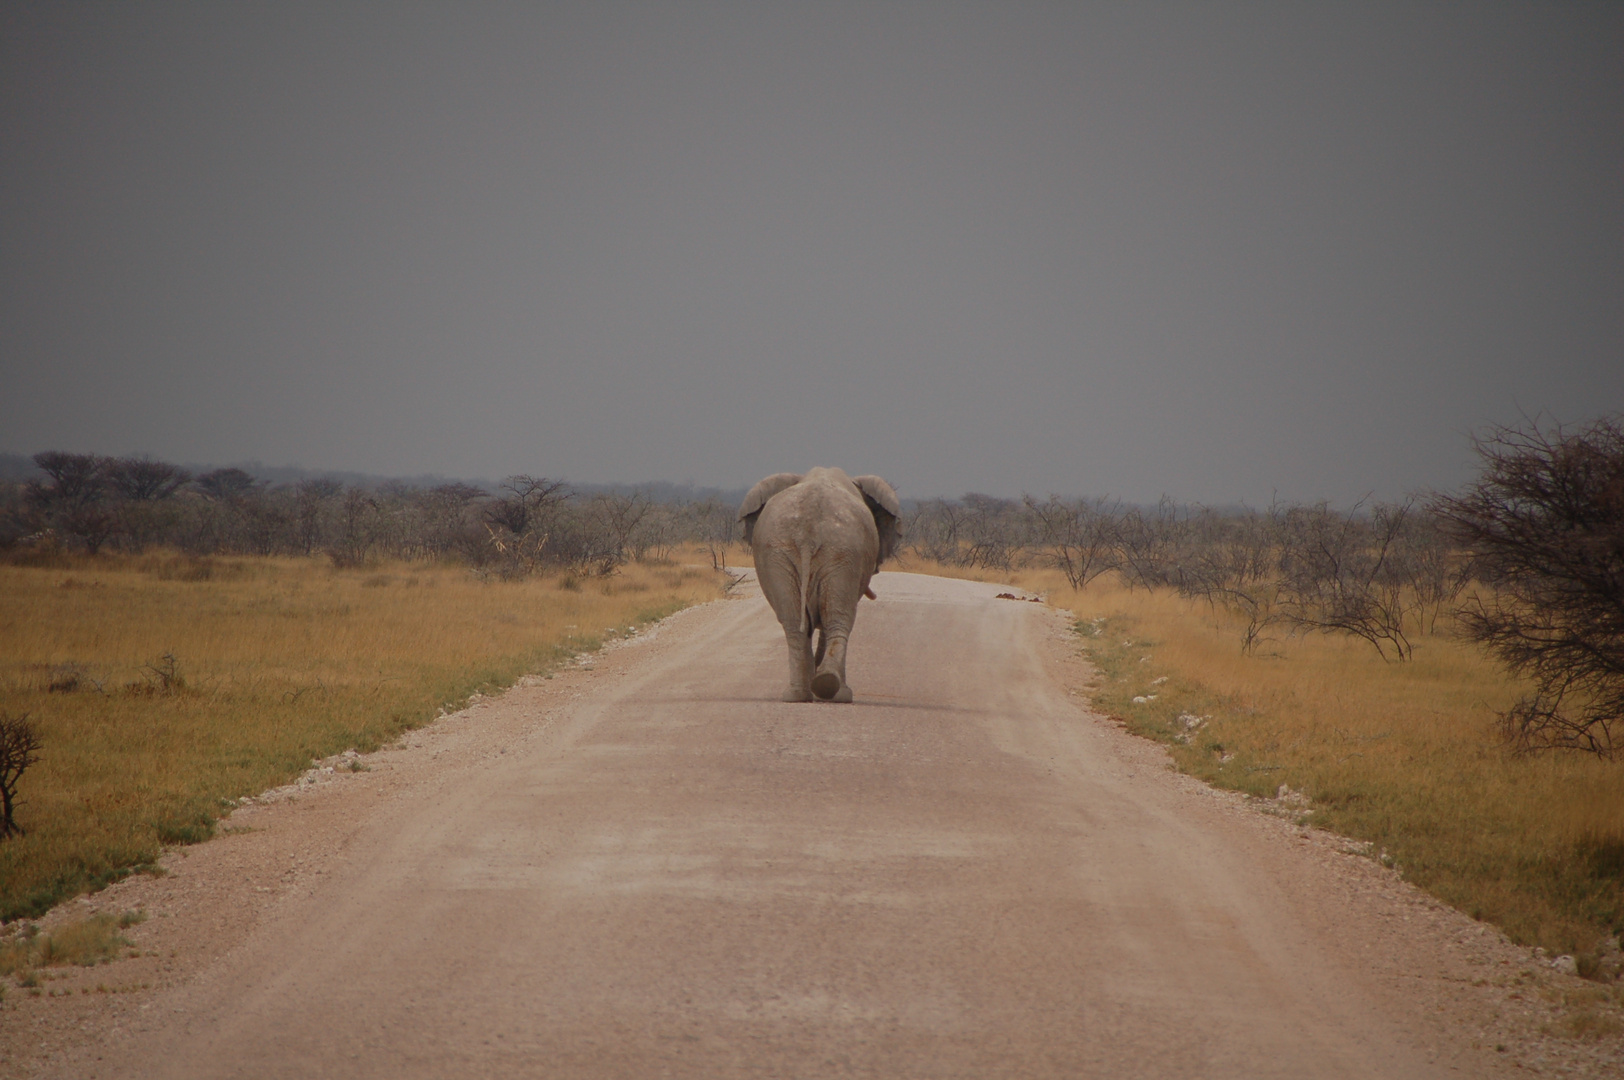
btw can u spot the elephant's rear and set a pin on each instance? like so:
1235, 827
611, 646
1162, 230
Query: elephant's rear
817, 542
822, 547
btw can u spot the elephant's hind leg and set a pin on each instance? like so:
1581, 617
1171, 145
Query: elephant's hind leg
828, 687
800, 665
829, 683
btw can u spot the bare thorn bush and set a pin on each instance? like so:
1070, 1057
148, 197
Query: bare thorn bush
19, 748
1544, 527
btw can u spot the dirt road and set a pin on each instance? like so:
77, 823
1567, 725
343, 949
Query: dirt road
670, 873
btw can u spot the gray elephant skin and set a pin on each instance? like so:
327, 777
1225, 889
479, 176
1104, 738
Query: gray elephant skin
818, 538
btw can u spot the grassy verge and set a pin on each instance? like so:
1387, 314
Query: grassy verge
1402, 755
163, 687
85, 942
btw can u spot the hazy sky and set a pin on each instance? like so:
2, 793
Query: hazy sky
1213, 250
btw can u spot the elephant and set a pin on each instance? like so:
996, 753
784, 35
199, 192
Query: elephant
818, 538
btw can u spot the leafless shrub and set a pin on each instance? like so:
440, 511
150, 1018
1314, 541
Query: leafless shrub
163, 676
1231, 562
994, 532
1338, 573
973, 531
1079, 537
932, 528
712, 522
657, 532
580, 541
616, 516
1147, 543
74, 678
1544, 524
356, 529
19, 748
314, 502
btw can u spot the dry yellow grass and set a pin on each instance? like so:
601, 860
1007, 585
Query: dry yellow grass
85, 942
276, 662
1404, 755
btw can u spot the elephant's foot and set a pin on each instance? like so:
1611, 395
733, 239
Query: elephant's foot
827, 685
797, 693
843, 695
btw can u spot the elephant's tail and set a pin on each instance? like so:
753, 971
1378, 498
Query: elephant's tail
808, 602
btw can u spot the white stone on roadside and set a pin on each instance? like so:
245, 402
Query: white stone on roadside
1567, 965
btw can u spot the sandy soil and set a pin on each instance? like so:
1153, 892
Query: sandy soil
648, 866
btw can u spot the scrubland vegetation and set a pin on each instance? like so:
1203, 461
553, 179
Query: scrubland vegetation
1528, 561
1442, 679
163, 686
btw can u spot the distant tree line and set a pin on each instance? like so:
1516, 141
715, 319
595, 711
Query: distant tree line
1382, 572
90, 503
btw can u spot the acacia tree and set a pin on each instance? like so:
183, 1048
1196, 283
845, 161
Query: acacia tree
524, 524
1544, 525
75, 501
145, 490
77, 480
140, 479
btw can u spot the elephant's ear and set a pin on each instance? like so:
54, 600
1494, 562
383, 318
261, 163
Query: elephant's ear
750, 509
882, 503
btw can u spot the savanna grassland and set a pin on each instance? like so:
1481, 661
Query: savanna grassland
163, 687
1403, 755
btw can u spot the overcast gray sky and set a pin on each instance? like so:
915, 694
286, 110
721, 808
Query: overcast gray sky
1210, 250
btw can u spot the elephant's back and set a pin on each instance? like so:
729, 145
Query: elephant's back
825, 514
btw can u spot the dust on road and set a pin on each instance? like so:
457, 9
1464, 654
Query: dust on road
656, 869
